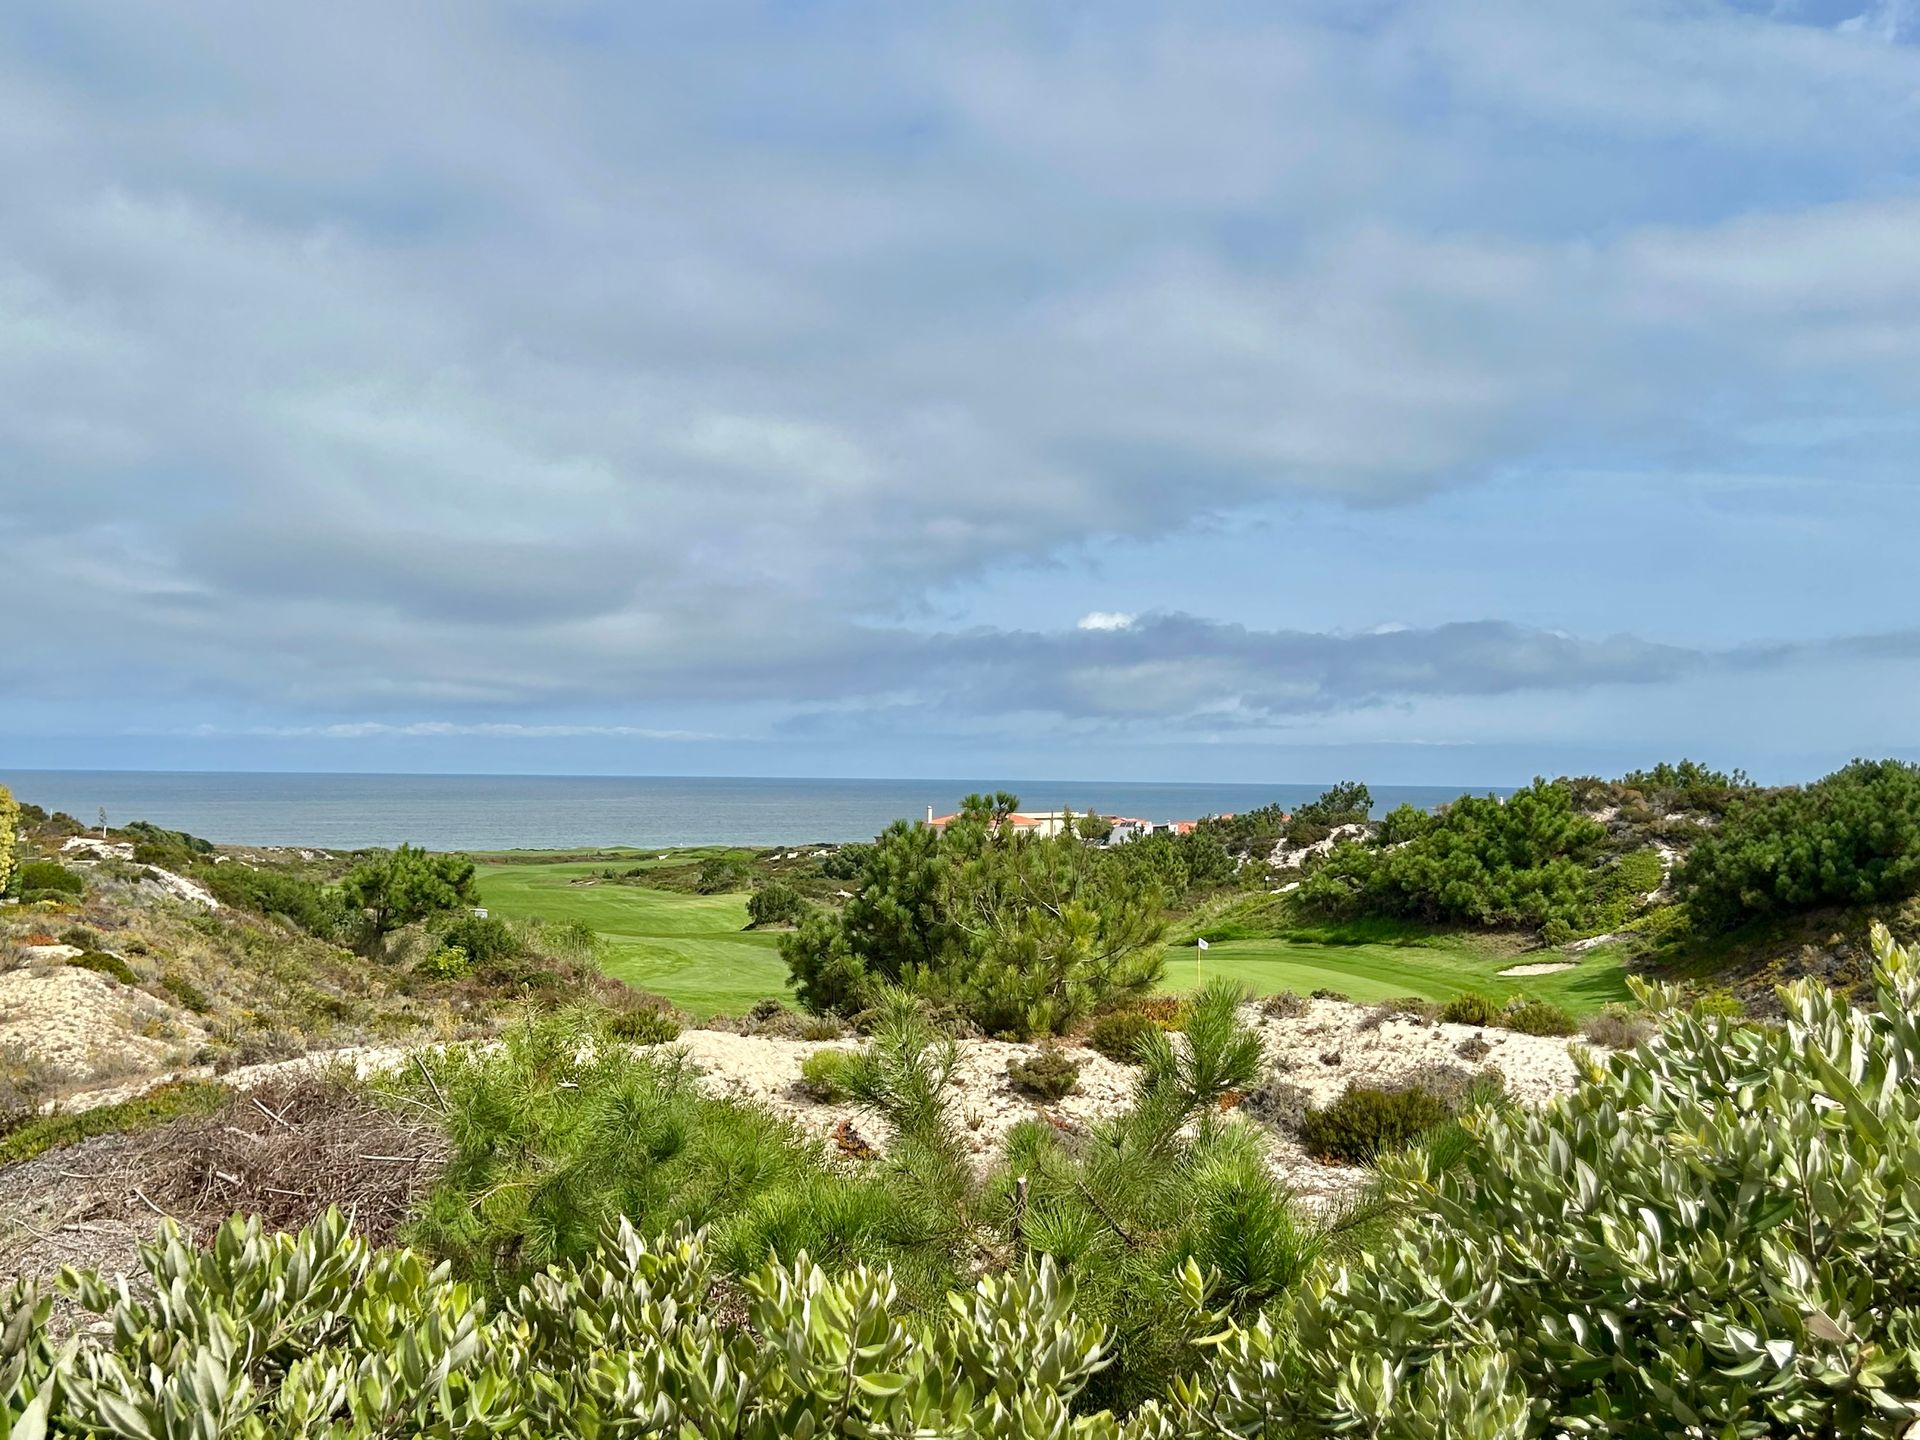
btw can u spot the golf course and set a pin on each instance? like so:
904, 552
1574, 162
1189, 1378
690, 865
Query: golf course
693, 949
697, 952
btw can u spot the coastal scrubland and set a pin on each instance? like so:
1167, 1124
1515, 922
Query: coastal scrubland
1494, 1122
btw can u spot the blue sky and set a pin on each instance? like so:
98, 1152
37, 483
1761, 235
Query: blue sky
1243, 391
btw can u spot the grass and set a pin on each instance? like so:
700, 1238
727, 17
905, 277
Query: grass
696, 950
1436, 967
158, 1106
693, 949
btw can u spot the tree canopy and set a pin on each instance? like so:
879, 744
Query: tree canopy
1527, 860
1852, 838
1023, 934
397, 887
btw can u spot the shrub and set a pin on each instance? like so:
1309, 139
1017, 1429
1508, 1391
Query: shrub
449, 962
45, 878
628, 1340
822, 1027
84, 936
1539, 1017
155, 1107
1284, 1006
556, 1137
1716, 1003
1522, 861
487, 939
1048, 1073
1365, 1123
9, 837
723, 874
186, 992
644, 1025
102, 963
823, 1075
1618, 1028
303, 903
1556, 932
1117, 1035
1474, 1047
1767, 1307
1023, 935
1852, 838
775, 903
1280, 1103
1471, 1008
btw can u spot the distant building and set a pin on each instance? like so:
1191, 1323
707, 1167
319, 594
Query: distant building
1127, 828
1043, 823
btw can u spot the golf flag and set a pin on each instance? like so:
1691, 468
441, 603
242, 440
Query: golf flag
1202, 944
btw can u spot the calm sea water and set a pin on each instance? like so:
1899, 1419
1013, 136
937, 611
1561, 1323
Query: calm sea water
547, 812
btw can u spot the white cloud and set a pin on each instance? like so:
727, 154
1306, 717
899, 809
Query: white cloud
553, 372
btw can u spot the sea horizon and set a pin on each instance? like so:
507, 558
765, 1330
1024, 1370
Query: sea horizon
342, 810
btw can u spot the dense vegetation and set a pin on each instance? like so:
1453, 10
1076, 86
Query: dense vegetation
1714, 1236
1021, 935
1528, 860
1852, 838
9, 837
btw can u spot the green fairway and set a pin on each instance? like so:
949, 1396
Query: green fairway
1437, 970
697, 951
693, 949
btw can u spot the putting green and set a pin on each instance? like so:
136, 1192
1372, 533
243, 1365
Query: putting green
693, 949
1437, 969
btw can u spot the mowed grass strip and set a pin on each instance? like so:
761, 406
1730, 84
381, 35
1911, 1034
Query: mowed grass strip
693, 949
1436, 969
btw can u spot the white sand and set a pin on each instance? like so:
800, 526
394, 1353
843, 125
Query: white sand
1542, 967
1332, 1045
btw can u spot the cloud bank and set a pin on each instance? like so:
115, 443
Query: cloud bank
469, 365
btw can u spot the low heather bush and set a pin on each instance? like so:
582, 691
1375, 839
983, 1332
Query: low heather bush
1048, 1073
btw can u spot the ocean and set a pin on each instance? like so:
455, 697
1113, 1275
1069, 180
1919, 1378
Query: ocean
552, 812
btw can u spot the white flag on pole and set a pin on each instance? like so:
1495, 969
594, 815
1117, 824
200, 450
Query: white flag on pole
1203, 944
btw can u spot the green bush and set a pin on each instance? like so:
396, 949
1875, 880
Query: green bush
311, 907
644, 1025
724, 874
1852, 838
823, 1075
186, 992
1118, 1034
1365, 1123
1556, 931
1048, 1073
1471, 1008
1527, 860
48, 878
487, 940
1525, 1291
319, 1333
102, 963
1021, 935
157, 1106
449, 962
1539, 1017
1715, 1003
775, 903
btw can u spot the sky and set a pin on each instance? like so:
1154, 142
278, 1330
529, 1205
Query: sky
1232, 391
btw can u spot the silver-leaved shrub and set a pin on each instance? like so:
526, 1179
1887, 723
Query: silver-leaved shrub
1717, 1235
